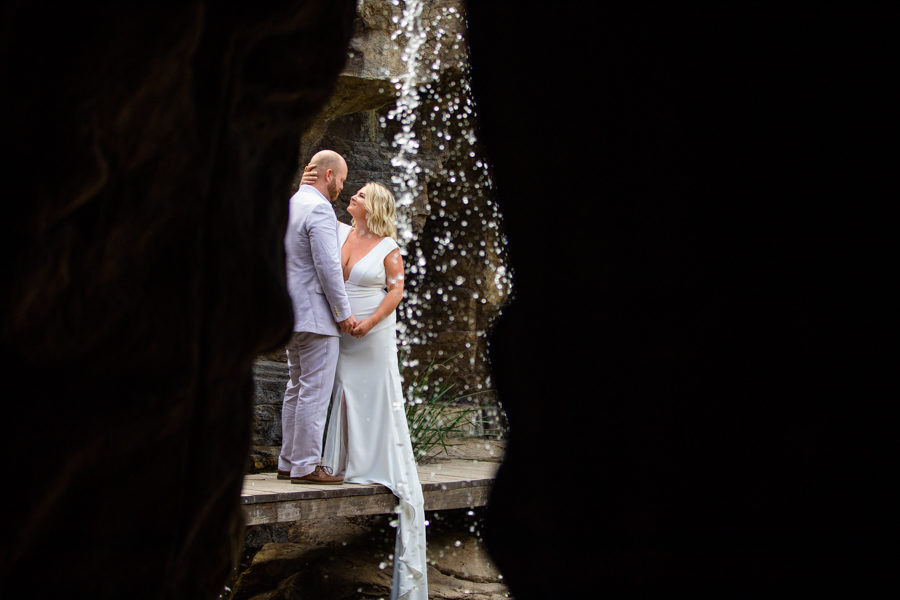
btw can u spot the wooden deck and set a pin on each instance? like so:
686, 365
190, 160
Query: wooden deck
448, 484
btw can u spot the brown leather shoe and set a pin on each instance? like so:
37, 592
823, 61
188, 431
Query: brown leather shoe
284, 474
320, 475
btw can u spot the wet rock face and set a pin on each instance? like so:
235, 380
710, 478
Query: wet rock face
149, 153
351, 558
456, 267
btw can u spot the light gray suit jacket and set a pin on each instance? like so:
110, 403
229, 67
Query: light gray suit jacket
313, 256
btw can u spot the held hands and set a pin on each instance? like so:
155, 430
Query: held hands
348, 324
362, 327
356, 328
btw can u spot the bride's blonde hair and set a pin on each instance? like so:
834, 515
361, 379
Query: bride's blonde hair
381, 218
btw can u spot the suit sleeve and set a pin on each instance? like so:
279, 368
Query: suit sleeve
323, 240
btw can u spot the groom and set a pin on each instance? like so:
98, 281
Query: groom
321, 313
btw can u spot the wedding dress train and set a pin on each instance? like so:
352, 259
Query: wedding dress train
367, 439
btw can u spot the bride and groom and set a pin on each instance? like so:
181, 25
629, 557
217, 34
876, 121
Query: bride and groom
345, 284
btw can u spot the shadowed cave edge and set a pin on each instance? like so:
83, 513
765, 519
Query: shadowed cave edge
686, 296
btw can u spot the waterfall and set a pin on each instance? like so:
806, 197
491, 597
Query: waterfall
408, 100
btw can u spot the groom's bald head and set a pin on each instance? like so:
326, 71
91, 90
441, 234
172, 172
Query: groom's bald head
328, 159
332, 171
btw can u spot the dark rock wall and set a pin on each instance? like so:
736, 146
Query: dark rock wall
148, 155
457, 277
696, 201
731, 175
456, 263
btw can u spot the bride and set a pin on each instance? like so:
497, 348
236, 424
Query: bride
367, 436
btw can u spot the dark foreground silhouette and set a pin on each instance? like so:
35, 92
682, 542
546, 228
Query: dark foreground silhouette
694, 204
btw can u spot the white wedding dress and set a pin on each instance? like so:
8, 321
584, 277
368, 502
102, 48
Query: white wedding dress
367, 439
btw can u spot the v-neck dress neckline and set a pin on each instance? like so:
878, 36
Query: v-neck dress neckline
364, 256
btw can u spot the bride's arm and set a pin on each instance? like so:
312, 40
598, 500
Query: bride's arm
393, 272
309, 175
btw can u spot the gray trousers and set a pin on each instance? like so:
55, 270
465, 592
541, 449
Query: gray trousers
312, 359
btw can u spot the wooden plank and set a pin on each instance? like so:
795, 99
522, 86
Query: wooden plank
455, 485
457, 472
468, 497
269, 482
447, 485
351, 506
469, 466
265, 487
293, 494
296, 510
454, 480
